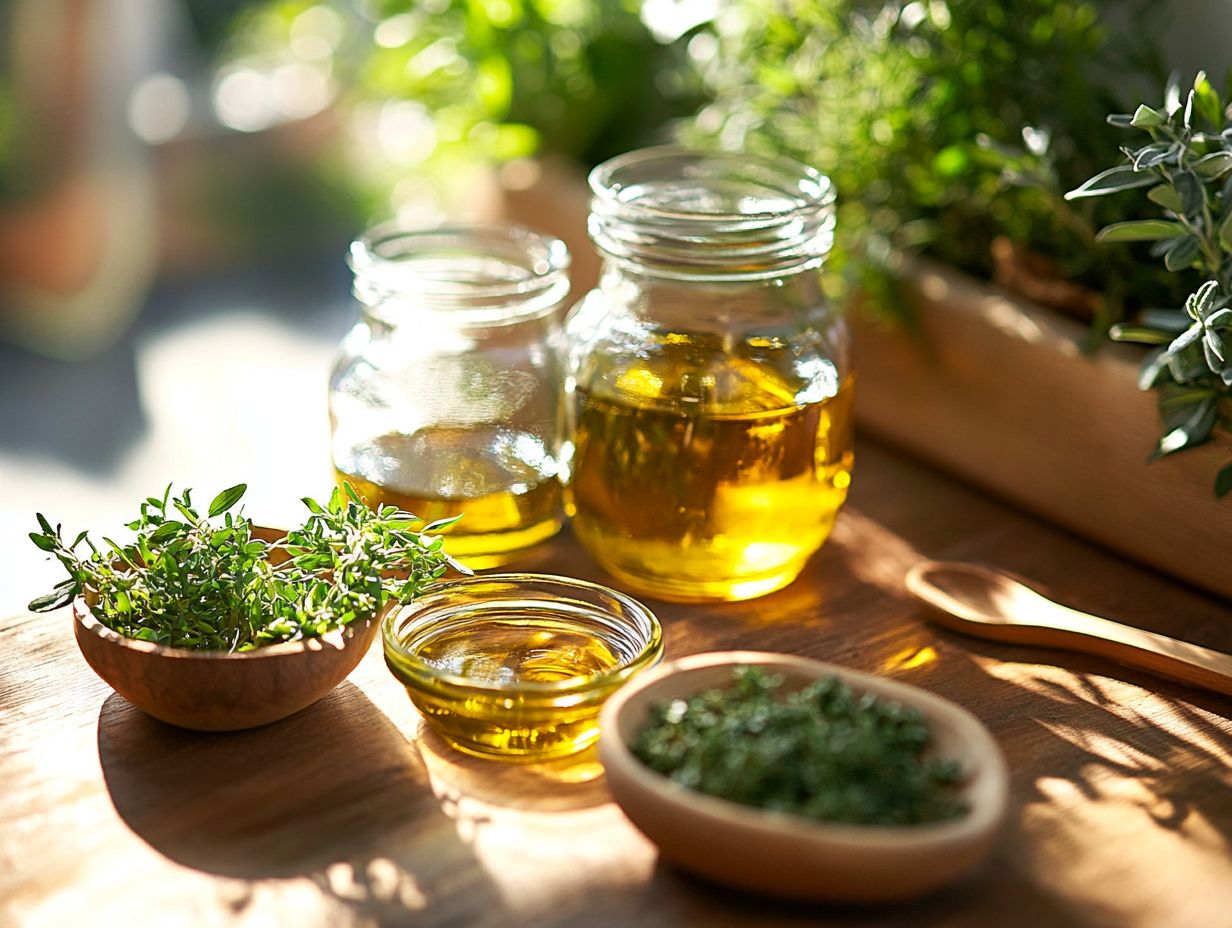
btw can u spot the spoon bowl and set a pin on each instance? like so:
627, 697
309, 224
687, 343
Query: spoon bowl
788, 855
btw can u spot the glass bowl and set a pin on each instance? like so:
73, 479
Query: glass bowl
517, 666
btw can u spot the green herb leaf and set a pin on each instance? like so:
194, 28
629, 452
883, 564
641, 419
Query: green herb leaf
1123, 332
1153, 370
191, 584
43, 542
1166, 197
64, 593
1146, 118
226, 499
1183, 253
1214, 165
1141, 230
1113, 180
1225, 232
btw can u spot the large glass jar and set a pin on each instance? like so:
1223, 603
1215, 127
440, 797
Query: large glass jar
708, 379
446, 396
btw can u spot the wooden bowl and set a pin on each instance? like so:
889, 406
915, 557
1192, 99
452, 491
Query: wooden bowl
213, 691
782, 854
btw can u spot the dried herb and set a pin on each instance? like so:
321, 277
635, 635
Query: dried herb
206, 583
822, 752
1187, 165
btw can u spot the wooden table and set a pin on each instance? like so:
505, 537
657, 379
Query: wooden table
349, 814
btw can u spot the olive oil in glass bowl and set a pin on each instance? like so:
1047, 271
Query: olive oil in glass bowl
517, 666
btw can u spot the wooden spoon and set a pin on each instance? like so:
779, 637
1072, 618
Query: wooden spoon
984, 602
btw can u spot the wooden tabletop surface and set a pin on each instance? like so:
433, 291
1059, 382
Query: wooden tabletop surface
350, 814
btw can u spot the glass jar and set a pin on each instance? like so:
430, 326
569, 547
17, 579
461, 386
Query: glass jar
708, 380
445, 399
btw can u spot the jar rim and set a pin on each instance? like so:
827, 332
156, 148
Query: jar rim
684, 212
488, 272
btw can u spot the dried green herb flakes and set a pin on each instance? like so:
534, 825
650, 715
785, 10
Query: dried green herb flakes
822, 752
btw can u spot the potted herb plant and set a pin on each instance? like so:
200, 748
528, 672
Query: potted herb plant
953, 132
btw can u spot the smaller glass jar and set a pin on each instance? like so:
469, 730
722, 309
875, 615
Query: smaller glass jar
445, 399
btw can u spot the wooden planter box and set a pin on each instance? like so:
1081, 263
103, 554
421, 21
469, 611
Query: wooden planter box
997, 391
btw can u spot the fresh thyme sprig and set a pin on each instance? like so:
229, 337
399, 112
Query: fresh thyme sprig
1187, 164
206, 582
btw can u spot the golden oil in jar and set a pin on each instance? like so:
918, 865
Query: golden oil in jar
696, 479
491, 690
501, 482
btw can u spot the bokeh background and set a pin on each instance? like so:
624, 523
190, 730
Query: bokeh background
179, 180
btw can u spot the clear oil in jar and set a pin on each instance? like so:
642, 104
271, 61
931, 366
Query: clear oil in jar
494, 713
501, 482
698, 479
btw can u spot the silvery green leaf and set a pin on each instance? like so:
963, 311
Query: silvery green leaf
1153, 370
1146, 118
1219, 319
1225, 232
1186, 362
1121, 120
1212, 348
1159, 249
1172, 94
1185, 339
1187, 118
1203, 300
1183, 252
1165, 196
1170, 320
1190, 425
1149, 156
1190, 191
1122, 177
1214, 165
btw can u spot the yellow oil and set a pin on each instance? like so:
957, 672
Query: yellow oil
501, 484
495, 712
707, 479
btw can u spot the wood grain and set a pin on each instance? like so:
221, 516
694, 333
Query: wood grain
347, 814
999, 392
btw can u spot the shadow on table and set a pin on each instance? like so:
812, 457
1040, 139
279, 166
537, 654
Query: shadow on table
334, 793
567, 784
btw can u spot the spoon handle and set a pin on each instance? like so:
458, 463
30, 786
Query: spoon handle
987, 603
1146, 650
1178, 660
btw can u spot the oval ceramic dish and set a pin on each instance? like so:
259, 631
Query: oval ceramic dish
785, 855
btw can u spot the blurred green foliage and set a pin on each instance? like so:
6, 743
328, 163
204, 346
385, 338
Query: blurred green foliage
944, 124
432, 86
